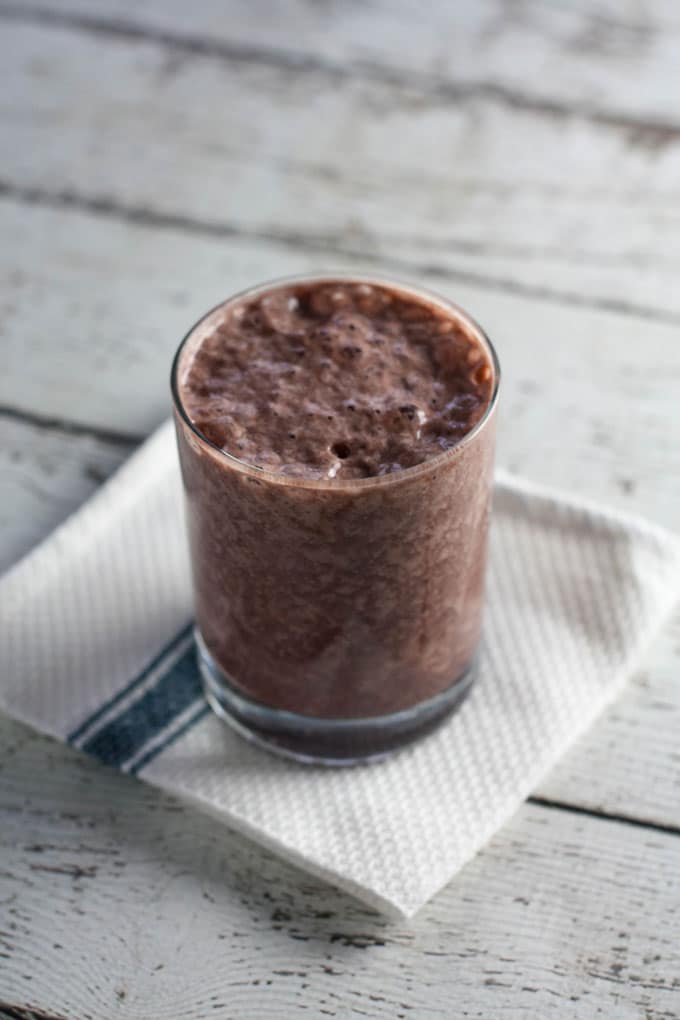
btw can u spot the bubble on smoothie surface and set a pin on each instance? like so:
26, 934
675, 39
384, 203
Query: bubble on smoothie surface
336, 380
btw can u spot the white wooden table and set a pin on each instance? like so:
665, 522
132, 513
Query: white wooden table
523, 158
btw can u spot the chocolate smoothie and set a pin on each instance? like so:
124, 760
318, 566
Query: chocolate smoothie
336, 442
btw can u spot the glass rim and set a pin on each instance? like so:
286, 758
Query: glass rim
340, 484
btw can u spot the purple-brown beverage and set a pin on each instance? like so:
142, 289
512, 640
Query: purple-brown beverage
336, 438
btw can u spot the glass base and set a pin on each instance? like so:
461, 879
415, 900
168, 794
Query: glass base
316, 741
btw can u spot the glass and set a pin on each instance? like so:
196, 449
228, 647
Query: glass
337, 620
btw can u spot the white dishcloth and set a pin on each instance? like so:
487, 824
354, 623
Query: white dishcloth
102, 607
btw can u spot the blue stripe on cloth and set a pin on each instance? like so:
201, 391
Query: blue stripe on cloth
147, 758
125, 735
135, 682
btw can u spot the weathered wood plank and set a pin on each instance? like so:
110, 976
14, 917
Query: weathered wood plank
46, 474
559, 915
94, 310
478, 188
99, 307
629, 763
600, 58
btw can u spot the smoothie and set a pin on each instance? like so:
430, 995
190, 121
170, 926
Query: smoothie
336, 440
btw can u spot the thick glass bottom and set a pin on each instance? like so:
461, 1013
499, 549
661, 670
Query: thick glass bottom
325, 741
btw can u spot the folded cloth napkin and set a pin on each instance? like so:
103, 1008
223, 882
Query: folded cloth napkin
96, 648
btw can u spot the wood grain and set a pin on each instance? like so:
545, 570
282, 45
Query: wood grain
605, 58
476, 189
46, 474
559, 915
628, 765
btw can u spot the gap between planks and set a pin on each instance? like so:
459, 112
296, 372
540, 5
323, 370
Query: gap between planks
608, 816
72, 428
108, 208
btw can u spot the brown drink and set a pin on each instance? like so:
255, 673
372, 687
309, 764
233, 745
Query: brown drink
336, 439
